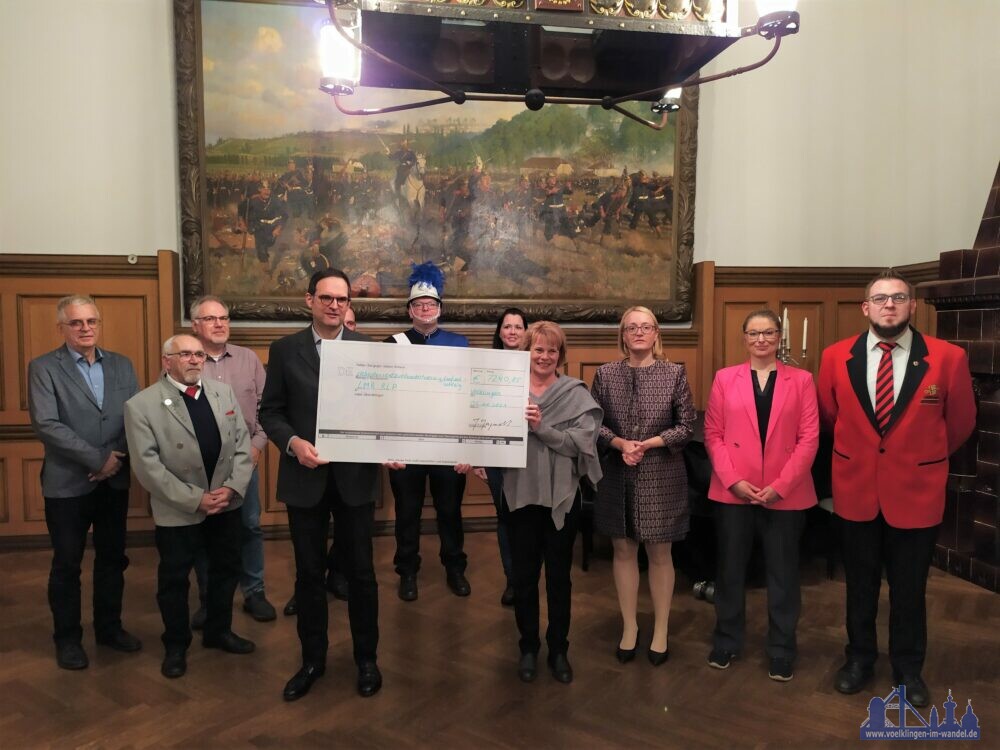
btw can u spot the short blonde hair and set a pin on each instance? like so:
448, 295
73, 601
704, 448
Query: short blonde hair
623, 347
550, 331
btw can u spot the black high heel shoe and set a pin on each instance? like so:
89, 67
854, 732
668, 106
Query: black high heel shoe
625, 655
656, 658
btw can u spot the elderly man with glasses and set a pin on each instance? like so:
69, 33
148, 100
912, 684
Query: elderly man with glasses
191, 450
240, 368
76, 396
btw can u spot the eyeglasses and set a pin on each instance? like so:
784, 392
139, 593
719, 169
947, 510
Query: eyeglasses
880, 299
427, 305
770, 334
633, 329
213, 319
78, 324
186, 355
326, 300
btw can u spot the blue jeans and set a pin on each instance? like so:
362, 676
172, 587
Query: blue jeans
252, 546
494, 478
252, 579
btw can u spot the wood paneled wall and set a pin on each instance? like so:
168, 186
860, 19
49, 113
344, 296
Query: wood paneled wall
128, 295
830, 298
140, 308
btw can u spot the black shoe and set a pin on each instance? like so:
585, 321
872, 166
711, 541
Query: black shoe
458, 583
230, 643
292, 608
656, 658
720, 658
625, 655
121, 640
527, 668
917, 692
780, 670
70, 655
258, 607
369, 679
301, 681
408, 587
336, 584
852, 677
198, 619
174, 663
705, 590
507, 597
561, 669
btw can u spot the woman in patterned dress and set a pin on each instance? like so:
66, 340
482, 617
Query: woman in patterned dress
648, 418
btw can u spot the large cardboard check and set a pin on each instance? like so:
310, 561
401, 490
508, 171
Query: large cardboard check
421, 404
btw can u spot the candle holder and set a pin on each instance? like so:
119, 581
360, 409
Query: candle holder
785, 354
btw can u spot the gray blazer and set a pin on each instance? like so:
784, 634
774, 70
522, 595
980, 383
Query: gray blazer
166, 456
78, 435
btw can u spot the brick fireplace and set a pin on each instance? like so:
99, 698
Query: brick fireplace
967, 300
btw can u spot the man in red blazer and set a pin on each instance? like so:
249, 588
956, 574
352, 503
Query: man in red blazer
898, 403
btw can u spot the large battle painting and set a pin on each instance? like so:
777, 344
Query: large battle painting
568, 204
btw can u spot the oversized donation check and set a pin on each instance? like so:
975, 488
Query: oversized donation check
421, 404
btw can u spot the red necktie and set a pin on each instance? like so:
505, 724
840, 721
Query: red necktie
883, 387
192, 390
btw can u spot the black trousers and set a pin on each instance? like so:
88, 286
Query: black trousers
219, 538
309, 528
68, 519
447, 488
780, 532
534, 540
334, 564
906, 555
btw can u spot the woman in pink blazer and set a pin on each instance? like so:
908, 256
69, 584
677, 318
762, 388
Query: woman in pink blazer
761, 433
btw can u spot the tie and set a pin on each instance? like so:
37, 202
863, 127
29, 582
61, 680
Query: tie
883, 387
192, 390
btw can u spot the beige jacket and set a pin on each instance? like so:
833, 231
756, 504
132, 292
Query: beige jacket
166, 457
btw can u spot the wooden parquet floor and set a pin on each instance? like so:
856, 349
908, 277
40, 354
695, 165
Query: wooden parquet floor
450, 671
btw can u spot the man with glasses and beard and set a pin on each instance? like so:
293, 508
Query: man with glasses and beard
898, 403
409, 483
191, 450
313, 489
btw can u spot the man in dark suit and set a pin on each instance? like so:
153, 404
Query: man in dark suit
312, 489
76, 396
898, 404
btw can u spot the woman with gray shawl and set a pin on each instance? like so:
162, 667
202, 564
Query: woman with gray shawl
542, 500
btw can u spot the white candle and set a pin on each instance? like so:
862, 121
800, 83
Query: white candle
784, 327
805, 331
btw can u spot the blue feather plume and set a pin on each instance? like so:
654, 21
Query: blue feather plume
428, 273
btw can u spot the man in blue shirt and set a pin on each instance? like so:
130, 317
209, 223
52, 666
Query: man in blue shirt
76, 397
409, 484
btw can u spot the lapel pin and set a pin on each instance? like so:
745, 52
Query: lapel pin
167, 402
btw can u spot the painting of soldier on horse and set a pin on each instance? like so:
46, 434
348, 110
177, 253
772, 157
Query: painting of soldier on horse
568, 203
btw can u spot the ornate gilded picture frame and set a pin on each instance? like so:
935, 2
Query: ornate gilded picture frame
572, 213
